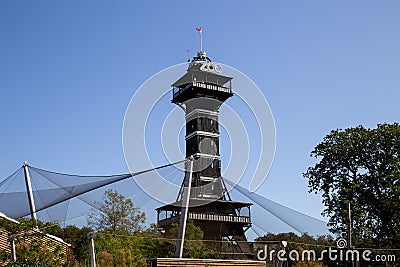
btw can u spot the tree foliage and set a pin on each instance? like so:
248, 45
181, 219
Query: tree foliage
360, 166
117, 214
303, 239
75, 236
297, 243
154, 244
117, 250
193, 245
131, 250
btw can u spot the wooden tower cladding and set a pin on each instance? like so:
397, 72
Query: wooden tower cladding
201, 92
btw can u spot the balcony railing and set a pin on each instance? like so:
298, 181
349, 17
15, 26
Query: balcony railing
208, 217
177, 90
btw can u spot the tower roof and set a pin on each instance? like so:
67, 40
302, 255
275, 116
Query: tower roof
199, 203
202, 69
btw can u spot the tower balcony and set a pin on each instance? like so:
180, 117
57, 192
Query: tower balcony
201, 89
219, 211
206, 217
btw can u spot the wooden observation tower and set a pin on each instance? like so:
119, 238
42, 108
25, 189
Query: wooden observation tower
201, 92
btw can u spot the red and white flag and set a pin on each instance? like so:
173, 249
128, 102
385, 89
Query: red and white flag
200, 30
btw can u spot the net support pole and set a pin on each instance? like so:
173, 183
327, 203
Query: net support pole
11, 239
91, 249
184, 212
29, 191
350, 241
349, 225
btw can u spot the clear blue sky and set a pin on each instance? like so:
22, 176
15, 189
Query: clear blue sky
68, 70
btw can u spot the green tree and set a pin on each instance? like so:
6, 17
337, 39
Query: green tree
116, 214
298, 243
305, 239
119, 250
193, 245
155, 245
75, 236
360, 166
119, 226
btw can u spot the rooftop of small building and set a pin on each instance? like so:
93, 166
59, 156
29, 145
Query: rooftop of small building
56, 238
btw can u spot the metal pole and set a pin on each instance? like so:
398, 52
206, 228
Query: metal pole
184, 213
201, 40
349, 228
349, 225
29, 191
91, 249
11, 239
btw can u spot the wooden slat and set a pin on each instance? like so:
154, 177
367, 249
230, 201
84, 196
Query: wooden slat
4, 244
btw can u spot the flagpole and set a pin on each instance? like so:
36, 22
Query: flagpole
200, 30
201, 41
